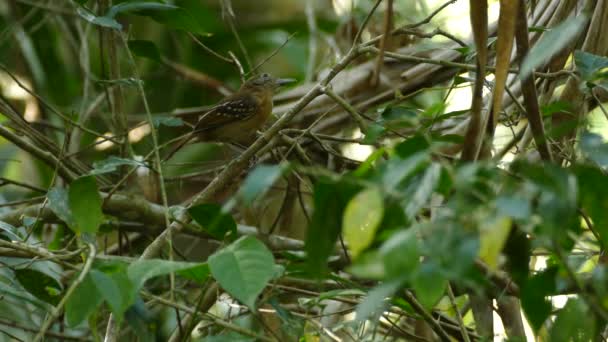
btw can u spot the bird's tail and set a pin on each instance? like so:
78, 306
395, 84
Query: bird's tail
179, 145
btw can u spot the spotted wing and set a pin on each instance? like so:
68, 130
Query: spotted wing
238, 108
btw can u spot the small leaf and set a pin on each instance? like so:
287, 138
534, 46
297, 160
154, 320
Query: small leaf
551, 43
377, 300
362, 218
112, 164
574, 323
146, 49
10, 232
397, 170
58, 202
401, 254
493, 234
213, 220
142, 270
85, 205
590, 66
243, 269
423, 190
111, 292
258, 181
330, 199
41, 285
595, 148
534, 295
83, 302
429, 285
100, 21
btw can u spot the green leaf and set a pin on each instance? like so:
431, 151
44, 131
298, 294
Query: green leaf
516, 207
112, 163
595, 148
213, 220
429, 284
142, 270
83, 302
493, 234
85, 204
592, 182
551, 43
401, 254
574, 323
100, 21
198, 273
590, 66
330, 199
411, 146
423, 190
556, 107
534, 294
58, 202
116, 293
362, 217
243, 269
377, 300
258, 181
41, 285
10, 232
397, 170
145, 49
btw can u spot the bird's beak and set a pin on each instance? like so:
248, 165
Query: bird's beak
284, 81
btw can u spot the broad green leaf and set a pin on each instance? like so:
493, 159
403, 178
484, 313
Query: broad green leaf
534, 295
595, 148
401, 254
397, 170
145, 49
58, 202
258, 181
552, 42
592, 183
198, 273
574, 323
377, 300
362, 218
116, 293
424, 190
83, 302
142, 270
112, 164
10, 232
214, 220
85, 205
429, 285
590, 66
556, 107
100, 21
243, 269
493, 234
330, 199
41, 285
516, 207
413, 145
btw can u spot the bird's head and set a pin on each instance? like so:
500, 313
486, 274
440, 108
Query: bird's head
265, 81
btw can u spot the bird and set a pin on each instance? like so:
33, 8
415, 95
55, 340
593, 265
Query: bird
237, 118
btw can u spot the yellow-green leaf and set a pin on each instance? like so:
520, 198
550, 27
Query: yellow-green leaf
492, 235
362, 217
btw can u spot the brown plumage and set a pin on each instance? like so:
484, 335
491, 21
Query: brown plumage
238, 117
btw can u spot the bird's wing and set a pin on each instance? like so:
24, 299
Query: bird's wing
228, 111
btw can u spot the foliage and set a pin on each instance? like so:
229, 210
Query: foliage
366, 218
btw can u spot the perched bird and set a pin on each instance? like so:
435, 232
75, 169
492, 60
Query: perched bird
237, 118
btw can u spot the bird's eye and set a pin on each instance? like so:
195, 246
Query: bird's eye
265, 76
